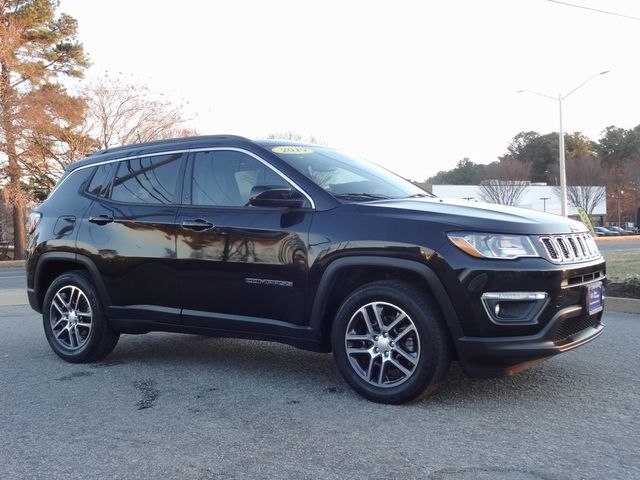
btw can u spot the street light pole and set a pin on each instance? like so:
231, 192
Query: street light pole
620, 193
544, 202
563, 171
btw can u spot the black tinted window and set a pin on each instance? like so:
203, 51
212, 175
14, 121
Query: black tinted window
146, 180
100, 179
225, 178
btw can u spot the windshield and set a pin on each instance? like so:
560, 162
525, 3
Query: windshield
345, 177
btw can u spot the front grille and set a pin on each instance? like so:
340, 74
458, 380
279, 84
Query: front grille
571, 326
577, 247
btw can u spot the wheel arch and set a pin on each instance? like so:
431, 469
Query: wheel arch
53, 264
344, 275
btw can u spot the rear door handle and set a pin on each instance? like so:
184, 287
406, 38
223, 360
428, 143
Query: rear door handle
199, 225
101, 219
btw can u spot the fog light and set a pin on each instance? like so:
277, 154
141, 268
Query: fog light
509, 308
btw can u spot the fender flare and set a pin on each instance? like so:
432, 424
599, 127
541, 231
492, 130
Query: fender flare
438, 291
82, 261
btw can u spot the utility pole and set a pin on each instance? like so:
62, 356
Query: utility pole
563, 171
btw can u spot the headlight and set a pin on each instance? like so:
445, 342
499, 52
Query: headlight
494, 245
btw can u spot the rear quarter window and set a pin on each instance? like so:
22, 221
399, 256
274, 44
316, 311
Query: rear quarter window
100, 180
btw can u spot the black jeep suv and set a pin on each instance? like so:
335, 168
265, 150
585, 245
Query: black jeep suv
302, 244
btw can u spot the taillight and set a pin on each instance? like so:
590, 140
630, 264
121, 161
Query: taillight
34, 220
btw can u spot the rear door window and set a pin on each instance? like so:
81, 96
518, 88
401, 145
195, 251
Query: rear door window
149, 180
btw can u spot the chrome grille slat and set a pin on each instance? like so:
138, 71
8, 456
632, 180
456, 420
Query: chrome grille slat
570, 248
583, 248
566, 254
550, 248
574, 247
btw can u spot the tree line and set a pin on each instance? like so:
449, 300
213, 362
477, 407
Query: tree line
48, 120
612, 161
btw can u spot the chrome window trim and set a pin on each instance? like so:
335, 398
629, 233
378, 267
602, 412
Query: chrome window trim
191, 150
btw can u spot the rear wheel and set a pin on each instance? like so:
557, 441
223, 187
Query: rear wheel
389, 342
74, 323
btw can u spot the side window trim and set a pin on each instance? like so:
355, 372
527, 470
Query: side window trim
184, 152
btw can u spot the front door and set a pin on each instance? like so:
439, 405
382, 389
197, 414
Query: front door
241, 266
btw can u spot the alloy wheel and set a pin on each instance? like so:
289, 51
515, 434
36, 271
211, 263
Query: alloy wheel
382, 344
70, 317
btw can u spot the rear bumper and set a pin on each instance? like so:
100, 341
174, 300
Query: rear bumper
503, 356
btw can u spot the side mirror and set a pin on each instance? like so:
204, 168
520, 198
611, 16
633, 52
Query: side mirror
275, 196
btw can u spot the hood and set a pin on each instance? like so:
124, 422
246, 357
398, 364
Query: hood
479, 217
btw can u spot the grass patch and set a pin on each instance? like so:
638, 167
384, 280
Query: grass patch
621, 264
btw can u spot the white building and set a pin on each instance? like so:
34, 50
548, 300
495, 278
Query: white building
535, 196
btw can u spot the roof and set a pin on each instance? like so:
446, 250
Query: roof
160, 145
177, 144
170, 141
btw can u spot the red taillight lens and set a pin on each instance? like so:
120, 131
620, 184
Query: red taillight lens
34, 220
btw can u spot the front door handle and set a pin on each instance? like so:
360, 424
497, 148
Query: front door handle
199, 225
101, 219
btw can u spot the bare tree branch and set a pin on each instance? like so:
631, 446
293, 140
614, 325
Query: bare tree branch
505, 182
296, 137
584, 177
122, 112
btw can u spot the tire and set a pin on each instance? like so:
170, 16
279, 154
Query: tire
74, 323
412, 335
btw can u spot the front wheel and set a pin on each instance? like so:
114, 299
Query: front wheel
389, 342
75, 326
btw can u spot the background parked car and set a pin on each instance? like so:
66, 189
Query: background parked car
620, 231
604, 232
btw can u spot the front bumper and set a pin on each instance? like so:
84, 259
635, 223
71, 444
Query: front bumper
485, 347
503, 356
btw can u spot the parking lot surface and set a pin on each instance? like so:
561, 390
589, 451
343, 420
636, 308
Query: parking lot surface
623, 243
181, 406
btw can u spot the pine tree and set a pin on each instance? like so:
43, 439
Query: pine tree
37, 49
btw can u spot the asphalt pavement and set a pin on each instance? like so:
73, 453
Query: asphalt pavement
609, 244
13, 286
12, 278
190, 407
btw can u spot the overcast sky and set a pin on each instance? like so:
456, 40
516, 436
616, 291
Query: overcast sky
414, 86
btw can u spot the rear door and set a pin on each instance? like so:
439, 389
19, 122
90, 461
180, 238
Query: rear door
241, 266
130, 234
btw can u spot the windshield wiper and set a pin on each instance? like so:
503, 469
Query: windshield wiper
361, 196
420, 195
